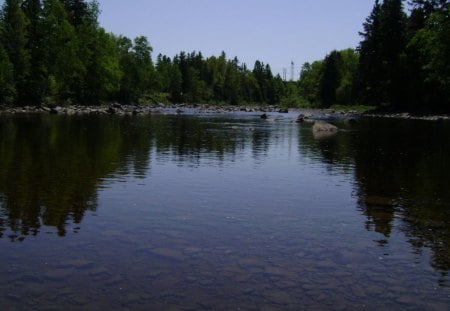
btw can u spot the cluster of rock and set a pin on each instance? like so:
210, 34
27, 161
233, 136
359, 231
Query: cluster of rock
306, 115
119, 109
76, 110
409, 116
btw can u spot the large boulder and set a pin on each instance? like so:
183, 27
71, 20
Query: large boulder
324, 127
323, 130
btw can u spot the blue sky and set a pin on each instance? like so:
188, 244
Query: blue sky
273, 31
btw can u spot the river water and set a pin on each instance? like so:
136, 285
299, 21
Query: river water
223, 212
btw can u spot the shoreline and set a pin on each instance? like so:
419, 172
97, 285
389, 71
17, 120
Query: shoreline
118, 109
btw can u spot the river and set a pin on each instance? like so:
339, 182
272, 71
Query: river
223, 211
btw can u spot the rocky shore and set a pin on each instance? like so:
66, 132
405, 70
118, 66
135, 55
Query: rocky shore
118, 109
132, 109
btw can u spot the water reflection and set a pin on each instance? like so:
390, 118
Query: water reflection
407, 164
401, 175
52, 167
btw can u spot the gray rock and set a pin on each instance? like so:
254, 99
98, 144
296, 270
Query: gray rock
323, 130
300, 118
324, 127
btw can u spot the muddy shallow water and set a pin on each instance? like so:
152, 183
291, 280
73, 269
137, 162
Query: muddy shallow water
222, 211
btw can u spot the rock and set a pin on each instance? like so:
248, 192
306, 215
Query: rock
179, 110
264, 116
283, 110
324, 127
55, 110
300, 118
323, 130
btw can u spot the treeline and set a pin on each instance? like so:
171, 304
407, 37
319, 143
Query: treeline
402, 62
55, 52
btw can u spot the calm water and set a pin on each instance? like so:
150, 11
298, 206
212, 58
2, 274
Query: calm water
222, 212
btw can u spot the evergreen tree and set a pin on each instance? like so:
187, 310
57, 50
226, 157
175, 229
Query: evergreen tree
380, 66
393, 26
175, 86
163, 68
15, 40
126, 62
231, 83
370, 60
431, 48
37, 81
77, 10
330, 79
7, 89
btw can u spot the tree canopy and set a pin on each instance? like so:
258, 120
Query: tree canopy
54, 52
401, 63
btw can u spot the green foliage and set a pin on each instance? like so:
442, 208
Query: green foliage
55, 52
331, 81
360, 108
7, 89
61, 51
310, 76
384, 40
14, 40
404, 61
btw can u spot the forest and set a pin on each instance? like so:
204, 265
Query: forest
54, 52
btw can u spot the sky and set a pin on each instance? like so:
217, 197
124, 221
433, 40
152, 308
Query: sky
272, 31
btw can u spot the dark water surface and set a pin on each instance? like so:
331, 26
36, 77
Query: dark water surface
222, 212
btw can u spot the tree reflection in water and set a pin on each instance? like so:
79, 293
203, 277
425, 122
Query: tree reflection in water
51, 167
401, 175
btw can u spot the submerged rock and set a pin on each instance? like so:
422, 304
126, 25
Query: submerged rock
264, 116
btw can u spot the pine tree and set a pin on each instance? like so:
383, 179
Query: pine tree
37, 81
61, 51
78, 11
15, 40
7, 89
330, 79
393, 31
380, 66
370, 59
430, 51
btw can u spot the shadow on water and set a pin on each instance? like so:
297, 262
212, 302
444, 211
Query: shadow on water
401, 172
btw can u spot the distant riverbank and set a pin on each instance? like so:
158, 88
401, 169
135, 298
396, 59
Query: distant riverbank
118, 109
